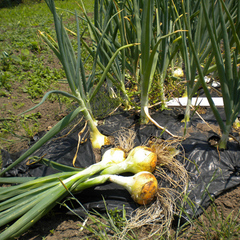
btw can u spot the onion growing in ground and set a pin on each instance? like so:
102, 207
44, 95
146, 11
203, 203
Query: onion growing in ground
178, 72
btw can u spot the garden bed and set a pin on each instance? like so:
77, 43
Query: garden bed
213, 174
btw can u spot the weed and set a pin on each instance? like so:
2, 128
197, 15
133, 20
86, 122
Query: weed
3, 107
4, 72
213, 225
30, 124
8, 126
3, 93
103, 226
17, 105
52, 231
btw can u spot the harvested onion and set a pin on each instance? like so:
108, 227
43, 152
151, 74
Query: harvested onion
142, 186
139, 159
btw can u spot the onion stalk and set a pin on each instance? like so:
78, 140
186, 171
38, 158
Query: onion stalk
223, 35
111, 156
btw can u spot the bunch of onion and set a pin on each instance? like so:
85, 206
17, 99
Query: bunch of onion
27, 202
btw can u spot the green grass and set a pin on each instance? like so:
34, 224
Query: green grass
212, 224
23, 55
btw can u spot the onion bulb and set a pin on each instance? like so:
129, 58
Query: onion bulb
113, 155
178, 73
98, 140
142, 186
139, 159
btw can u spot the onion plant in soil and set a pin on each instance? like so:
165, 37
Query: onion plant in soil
192, 18
81, 88
149, 23
226, 61
196, 29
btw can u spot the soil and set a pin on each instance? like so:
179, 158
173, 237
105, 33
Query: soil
56, 225
50, 114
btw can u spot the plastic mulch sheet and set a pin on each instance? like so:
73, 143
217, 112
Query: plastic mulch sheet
211, 171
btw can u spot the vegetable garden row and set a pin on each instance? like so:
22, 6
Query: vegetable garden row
144, 42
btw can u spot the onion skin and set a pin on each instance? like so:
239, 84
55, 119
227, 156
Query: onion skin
113, 156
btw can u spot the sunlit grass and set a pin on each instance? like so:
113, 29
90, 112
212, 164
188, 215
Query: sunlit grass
27, 65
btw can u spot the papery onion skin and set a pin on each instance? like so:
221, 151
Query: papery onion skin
113, 155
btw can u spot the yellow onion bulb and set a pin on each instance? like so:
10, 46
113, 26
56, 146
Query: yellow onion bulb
139, 159
98, 140
143, 158
113, 155
178, 72
143, 186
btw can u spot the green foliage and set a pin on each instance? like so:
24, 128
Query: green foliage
5, 71
216, 226
24, 56
17, 105
217, 17
148, 23
111, 224
83, 89
212, 224
29, 123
